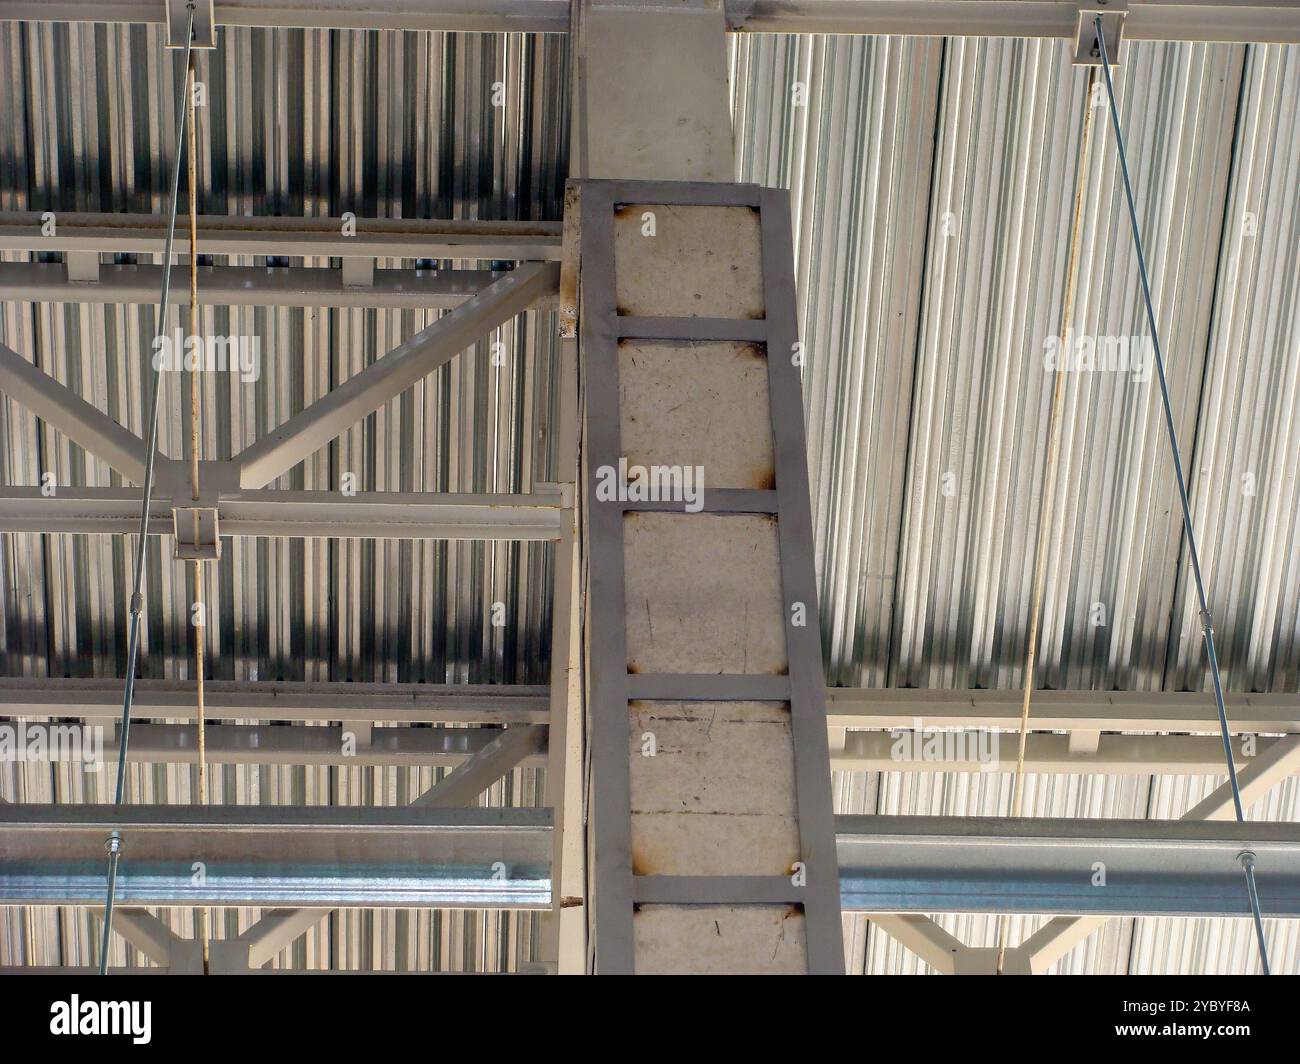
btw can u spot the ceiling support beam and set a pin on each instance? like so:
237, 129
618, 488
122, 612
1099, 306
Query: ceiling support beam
404, 703
407, 703
459, 787
1067, 711
246, 286
463, 784
368, 238
1058, 937
899, 864
906, 750
296, 514
1240, 21
922, 936
146, 933
277, 744
62, 409
267, 856
275, 856
305, 433
20, 969
563, 945
277, 930
1262, 21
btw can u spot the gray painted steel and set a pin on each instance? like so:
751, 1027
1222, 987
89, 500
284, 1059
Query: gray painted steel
1272, 21
611, 687
1076, 867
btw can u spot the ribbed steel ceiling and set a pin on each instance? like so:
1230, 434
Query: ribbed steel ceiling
932, 183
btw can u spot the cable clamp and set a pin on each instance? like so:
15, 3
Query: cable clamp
1087, 52
178, 17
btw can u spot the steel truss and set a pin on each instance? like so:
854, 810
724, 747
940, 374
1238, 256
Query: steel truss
894, 869
1264, 21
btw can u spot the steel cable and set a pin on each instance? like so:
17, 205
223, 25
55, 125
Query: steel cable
1246, 859
114, 843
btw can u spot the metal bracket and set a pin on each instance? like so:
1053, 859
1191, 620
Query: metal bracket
1086, 50
358, 272
205, 25
196, 528
82, 266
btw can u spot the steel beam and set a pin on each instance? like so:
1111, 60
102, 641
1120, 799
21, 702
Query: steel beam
1067, 711
246, 286
276, 930
35, 969
1239, 21
1262, 21
459, 787
62, 409
271, 856
863, 751
146, 933
267, 512
1057, 937
373, 238
406, 703
268, 856
305, 433
924, 937
401, 745
280, 744
1038, 865
492, 760
1114, 755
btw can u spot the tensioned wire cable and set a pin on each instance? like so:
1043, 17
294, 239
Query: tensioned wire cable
142, 542
1247, 859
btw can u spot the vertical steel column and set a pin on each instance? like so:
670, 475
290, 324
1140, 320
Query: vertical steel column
628, 888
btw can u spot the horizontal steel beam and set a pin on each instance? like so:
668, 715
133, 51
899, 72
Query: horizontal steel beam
247, 286
1068, 711
1263, 21
299, 514
899, 749
22, 969
267, 856
267, 744
406, 703
328, 856
401, 745
908, 751
1242, 21
1113, 867
375, 238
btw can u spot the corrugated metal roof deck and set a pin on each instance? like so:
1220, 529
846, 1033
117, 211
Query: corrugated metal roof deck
932, 184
